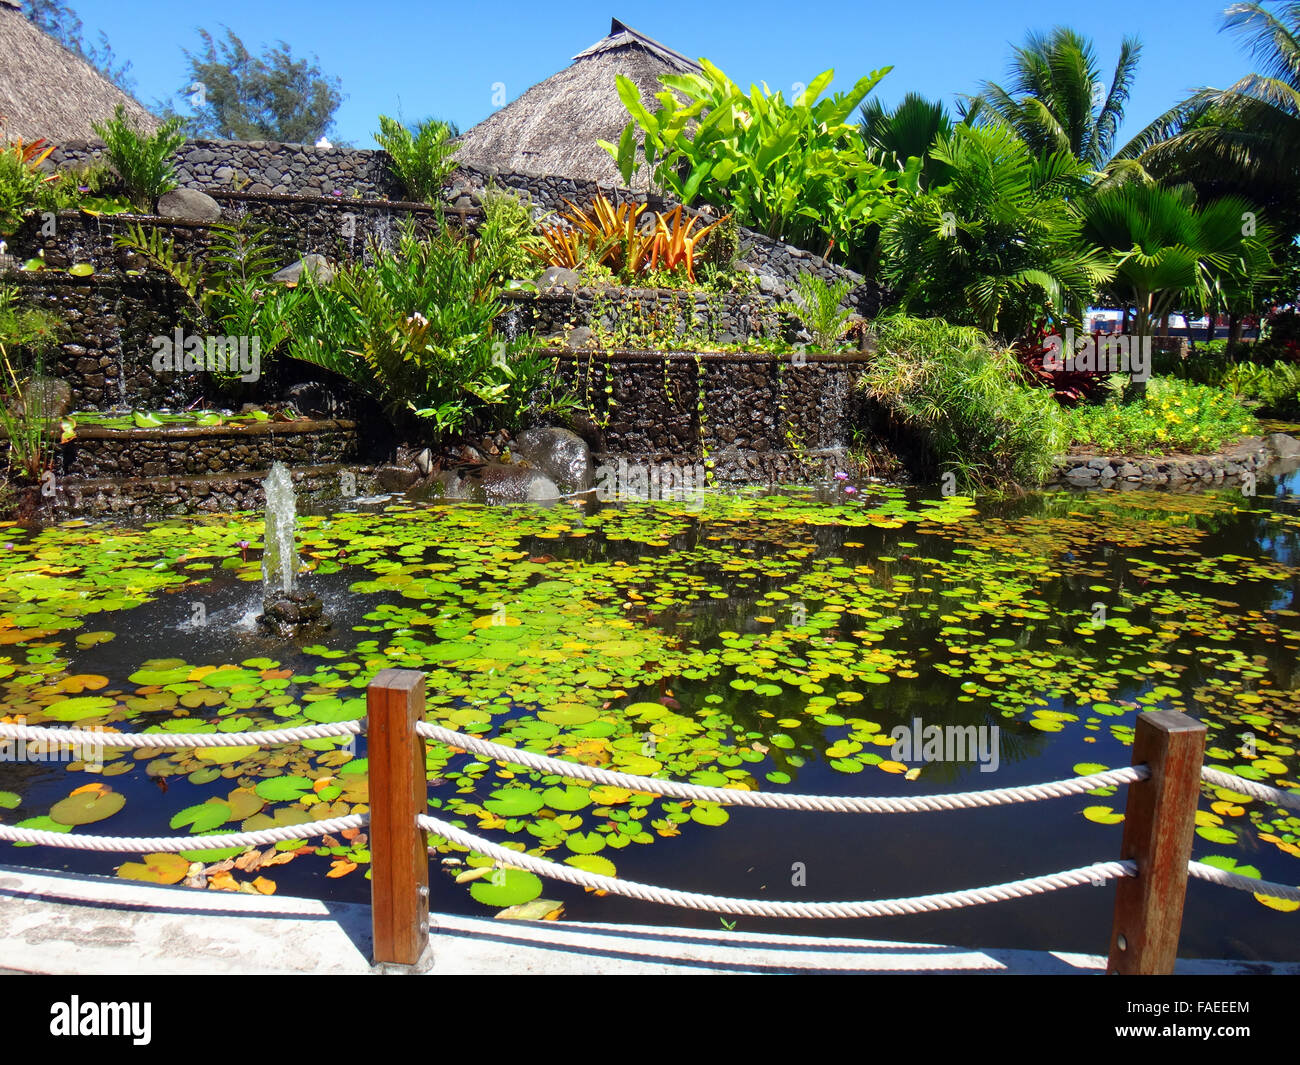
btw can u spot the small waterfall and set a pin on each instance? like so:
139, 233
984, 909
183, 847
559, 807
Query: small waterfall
510, 327
280, 559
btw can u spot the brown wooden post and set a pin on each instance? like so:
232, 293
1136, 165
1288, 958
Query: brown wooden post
1159, 823
399, 851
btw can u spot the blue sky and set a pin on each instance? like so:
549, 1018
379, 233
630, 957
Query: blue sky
422, 59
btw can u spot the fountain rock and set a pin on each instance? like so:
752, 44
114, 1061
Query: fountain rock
189, 204
296, 614
560, 454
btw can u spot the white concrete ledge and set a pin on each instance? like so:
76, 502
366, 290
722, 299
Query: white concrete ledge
89, 925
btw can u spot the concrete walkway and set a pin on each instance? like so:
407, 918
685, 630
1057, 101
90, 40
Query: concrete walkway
73, 924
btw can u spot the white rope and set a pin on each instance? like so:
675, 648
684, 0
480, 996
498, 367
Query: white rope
1242, 883
948, 900
1235, 783
68, 737
172, 844
780, 800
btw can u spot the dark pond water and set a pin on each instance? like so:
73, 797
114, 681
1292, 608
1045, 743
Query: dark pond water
770, 640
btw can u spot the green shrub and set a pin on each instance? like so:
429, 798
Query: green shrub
423, 160
141, 160
508, 222
820, 309
24, 186
963, 401
27, 337
1174, 415
415, 330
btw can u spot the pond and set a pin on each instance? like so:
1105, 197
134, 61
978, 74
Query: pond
771, 639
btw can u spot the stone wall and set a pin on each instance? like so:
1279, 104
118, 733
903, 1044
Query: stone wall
721, 318
105, 353
756, 417
265, 167
192, 451
155, 497
341, 230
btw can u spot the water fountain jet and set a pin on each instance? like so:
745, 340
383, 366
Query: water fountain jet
287, 609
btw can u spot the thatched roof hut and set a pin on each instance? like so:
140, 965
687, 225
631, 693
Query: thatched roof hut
554, 126
48, 91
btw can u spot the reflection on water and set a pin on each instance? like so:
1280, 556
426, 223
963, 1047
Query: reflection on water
767, 641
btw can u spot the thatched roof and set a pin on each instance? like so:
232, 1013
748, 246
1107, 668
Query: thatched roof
48, 91
553, 127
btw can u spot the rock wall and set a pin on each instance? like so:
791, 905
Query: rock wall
756, 418
203, 450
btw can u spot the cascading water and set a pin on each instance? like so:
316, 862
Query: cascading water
280, 560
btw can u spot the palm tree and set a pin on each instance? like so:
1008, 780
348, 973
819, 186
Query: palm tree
909, 131
999, 243
1244, 139
1056, 99
1168, 252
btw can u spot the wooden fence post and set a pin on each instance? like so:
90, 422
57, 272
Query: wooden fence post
1159, 823
399, 877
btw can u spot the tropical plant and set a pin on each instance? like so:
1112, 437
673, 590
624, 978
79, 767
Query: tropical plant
1244, 139
416, 330
230, 292
421, 159
796, 170
958, 398
820, 308
908, 132
22, 182
1056, 100
508, 220
26, 338
1000, 244
674, 248
1167, 252
605, 234
141, 160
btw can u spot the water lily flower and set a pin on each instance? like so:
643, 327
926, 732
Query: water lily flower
839, 476
850, 489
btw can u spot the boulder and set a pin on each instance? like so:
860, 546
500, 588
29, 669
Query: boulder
50, 397
562, 455
315, 265
1287, 447
558, 277
516, 484
189, 204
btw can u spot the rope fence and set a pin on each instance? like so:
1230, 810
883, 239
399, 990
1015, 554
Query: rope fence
1164, 788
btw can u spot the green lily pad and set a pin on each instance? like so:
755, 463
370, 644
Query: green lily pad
506, 887
87, 807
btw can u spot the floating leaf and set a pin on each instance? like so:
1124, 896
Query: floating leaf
87, 807
156, 869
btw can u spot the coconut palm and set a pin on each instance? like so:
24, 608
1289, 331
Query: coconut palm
1244, 139
999, 243
1056, 99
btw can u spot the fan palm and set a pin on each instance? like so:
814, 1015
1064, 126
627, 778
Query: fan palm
909, 131
1169, 252
1056, 99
